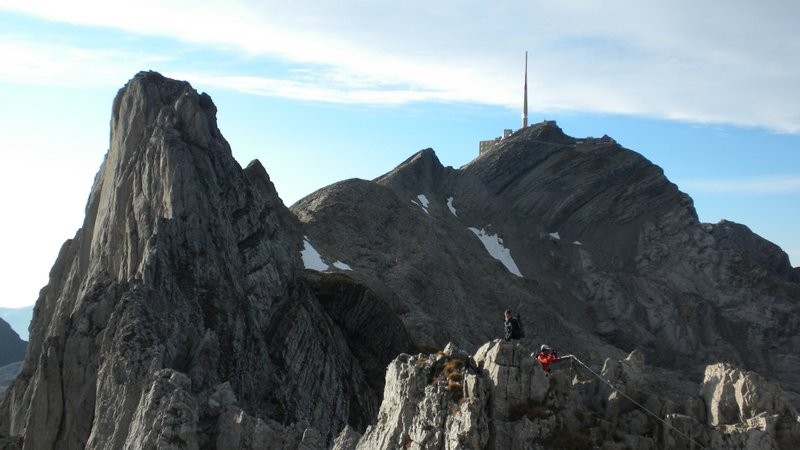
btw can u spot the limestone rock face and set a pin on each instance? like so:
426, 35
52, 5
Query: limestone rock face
7, 374
747, 410
179, 316
611, 255
506, 401
733, 395
437, 401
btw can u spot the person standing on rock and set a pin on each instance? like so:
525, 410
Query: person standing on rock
513, 327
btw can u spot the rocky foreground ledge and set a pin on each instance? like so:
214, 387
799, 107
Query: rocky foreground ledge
501, 399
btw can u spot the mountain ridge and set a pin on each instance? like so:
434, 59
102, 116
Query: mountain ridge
181, 315
642, 229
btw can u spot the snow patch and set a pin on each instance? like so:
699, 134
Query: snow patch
555, 235
494, 245
451, 207
577, 243
423, 202
341, 266
311, 257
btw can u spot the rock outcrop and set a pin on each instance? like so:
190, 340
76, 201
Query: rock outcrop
590, 241
7, 375
179, 316
182, 315
500, 399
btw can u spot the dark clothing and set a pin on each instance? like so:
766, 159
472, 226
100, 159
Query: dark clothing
513, 329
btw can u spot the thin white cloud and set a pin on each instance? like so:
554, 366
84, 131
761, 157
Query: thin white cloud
321, 90
770, 185
64, 65
681, 59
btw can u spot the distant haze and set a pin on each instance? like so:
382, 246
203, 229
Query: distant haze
19, 319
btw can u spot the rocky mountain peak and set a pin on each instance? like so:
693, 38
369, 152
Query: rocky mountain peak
182, 314
422, 172
166, 157
750, 251
179, 314
547, 130
582, 236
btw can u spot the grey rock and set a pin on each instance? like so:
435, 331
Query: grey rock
431, 402
7, 374
632, 267
347, 439
517, 407
166, 416
179, 316
515, 378
235, 429
734, 396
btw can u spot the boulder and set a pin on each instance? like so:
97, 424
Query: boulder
734, 395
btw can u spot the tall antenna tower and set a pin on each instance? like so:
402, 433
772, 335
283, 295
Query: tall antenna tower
525, 100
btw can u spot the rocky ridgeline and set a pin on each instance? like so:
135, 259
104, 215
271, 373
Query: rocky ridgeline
181, 315
608, 256
500, 399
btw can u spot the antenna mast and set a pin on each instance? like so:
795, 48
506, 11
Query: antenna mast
525, 100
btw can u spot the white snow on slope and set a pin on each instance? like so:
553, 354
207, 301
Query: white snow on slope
450, 205
311, 258
555, 235
494, 245
423, 202
341, 266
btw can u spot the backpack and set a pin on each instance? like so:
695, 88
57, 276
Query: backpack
520, 332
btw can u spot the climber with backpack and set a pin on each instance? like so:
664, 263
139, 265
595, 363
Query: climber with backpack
513, 326
545, 355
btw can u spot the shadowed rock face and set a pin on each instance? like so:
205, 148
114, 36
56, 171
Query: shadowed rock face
502, 399
630, 266
179, 314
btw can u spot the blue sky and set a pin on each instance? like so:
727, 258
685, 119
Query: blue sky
322, 91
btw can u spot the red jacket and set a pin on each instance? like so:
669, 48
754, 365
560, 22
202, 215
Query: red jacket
546, 359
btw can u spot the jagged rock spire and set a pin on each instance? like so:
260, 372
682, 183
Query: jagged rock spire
179, 313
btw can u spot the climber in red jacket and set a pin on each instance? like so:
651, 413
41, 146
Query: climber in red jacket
545, 356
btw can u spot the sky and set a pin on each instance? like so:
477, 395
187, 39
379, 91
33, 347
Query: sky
321, 91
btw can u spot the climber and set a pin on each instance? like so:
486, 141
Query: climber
513, 327
545, 356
